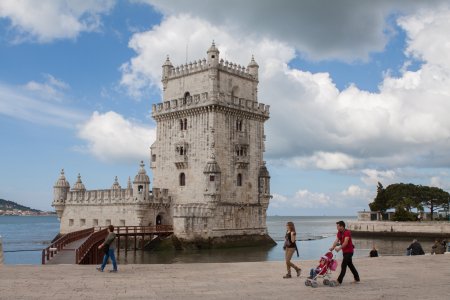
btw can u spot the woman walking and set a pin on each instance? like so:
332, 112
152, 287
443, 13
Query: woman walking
290, 247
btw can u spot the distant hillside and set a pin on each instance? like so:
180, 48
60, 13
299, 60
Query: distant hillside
9, 205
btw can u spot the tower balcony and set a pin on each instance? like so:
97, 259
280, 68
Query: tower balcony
242, 162
181, 161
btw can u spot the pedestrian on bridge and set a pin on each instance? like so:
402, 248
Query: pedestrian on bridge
109, 246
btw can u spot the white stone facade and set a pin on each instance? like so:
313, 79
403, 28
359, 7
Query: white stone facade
207, 157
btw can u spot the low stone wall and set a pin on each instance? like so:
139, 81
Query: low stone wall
391, 228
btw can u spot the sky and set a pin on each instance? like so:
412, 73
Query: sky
359, 91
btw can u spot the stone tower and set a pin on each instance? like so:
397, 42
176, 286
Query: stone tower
209, 149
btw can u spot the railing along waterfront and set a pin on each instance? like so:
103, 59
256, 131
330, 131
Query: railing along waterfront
60, 243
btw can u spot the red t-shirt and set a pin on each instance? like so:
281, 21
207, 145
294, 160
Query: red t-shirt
341, 236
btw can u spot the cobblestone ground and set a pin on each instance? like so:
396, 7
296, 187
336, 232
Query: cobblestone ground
420, 277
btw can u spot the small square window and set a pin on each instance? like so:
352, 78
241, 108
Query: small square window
122, 222
82, 222
211, 177
108, 222
95, 222
70, 222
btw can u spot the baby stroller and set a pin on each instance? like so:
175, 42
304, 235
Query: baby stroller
325, 272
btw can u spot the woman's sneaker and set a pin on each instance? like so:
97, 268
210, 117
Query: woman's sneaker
299, 272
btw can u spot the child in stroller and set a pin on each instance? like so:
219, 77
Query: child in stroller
327, 264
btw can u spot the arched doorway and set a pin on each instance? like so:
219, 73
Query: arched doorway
159, 220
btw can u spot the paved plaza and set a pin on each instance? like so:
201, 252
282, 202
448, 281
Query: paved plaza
420, 277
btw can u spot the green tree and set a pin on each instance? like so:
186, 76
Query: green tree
433, 197
380, 201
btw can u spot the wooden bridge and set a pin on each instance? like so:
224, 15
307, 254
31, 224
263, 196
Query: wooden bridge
81, 247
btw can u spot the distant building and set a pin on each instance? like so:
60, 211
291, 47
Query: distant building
210, 179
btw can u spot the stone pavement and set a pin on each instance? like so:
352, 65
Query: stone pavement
419, 277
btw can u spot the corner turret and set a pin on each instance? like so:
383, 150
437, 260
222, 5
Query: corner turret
213, 56
141, 184
166, 69
253, 68
60, 190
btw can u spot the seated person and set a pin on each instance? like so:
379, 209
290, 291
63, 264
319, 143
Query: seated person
320, 268
438, 247
415, 249
373, 252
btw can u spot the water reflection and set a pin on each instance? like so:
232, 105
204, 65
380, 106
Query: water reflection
308, 250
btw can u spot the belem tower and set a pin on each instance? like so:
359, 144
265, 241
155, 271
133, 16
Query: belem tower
210, 179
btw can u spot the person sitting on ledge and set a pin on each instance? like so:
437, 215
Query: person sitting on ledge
415, 249
438, 247
373, 252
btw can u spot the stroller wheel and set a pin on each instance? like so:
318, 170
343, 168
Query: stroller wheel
314, 284
307, 282
326, 282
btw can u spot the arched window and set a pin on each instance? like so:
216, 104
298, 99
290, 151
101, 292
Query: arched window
185, 124
181, 124
239, 180
140, 189
186, 96
182, 179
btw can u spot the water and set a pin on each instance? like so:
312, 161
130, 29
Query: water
25, 237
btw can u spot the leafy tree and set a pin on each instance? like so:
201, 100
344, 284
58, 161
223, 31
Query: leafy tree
380, 201
434, 198
404, 197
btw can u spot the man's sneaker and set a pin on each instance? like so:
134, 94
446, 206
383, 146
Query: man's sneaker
112, 271
299, 271
99, 269
287, 276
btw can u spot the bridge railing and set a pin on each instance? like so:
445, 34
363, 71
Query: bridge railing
126, 230
60, 243
88, 252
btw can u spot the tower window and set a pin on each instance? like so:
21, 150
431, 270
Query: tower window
183, 124
153, 157
238, 125
239, 180
140, 188
211, 177
182, 179
213, 56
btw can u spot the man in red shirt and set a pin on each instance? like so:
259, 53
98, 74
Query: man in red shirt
344, 238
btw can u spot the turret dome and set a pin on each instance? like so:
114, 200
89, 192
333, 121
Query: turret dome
142, 176
213, 48
116, 185
253, 63
78, 186
62, 182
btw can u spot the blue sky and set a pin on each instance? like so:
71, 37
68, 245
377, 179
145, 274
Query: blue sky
359, 92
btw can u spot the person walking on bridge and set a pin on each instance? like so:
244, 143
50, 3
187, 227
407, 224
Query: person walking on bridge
109, 246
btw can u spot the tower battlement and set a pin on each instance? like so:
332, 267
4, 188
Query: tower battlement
200, 100
201, 65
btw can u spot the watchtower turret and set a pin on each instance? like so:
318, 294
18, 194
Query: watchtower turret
60, 190
141, 184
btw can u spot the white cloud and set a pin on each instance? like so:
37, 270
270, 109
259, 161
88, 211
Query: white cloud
355, 191
326, 161
312, 122
111, 137
47, 20
30, 103
52, 88
371, 177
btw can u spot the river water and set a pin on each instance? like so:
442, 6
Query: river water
25, 237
